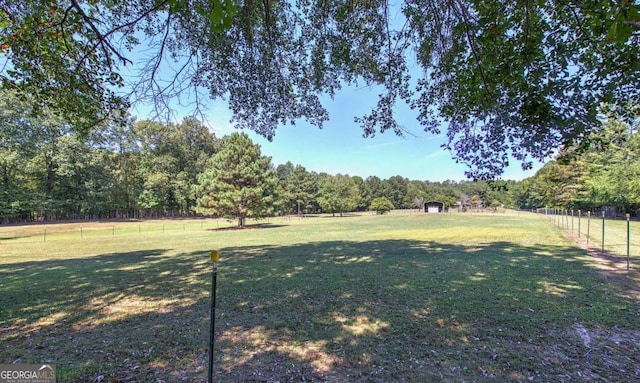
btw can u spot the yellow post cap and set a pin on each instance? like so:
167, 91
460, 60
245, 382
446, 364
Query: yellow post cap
215, 255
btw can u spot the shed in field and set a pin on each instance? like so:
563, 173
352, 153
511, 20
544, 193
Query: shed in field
433, 207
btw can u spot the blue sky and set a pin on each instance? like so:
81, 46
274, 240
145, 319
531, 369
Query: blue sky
340, 148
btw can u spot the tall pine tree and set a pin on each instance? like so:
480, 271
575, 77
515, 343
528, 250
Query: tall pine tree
239, 181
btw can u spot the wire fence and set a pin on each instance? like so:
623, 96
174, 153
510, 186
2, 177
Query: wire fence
613, 236
101, 229
599, 231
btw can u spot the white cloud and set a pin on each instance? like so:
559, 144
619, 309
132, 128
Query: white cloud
439, 153
384, 145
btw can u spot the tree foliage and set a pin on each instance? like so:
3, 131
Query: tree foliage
605, 175
381, 205
239, 182
139, 169
338, 194
300, 187
506, 78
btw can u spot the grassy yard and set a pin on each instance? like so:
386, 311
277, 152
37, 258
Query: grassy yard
405, 297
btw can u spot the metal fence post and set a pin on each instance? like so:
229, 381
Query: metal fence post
588, 225
603, 232
571, 221
628, 238
215, 257
579, 216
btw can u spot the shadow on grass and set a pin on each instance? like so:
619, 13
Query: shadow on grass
343, 215
339, 311
249, 227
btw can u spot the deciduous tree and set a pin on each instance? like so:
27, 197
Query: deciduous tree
381, 205
338, 194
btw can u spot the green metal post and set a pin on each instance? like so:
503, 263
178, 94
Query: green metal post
603, 232
579, 216
557, 217
628, 238
572, 221
588, 226
215, 256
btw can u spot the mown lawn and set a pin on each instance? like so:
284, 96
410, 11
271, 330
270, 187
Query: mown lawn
406, 297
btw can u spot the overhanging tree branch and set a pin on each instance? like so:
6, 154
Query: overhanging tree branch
472, 45
272, 59
102, 40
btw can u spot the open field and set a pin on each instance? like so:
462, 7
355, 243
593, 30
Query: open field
404, 297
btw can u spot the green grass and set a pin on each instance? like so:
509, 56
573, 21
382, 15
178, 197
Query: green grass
401, 297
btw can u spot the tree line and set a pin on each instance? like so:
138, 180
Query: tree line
139, 169
607, 175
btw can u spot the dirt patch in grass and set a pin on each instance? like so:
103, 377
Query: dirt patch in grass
611, 348
605, 350
613, 268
